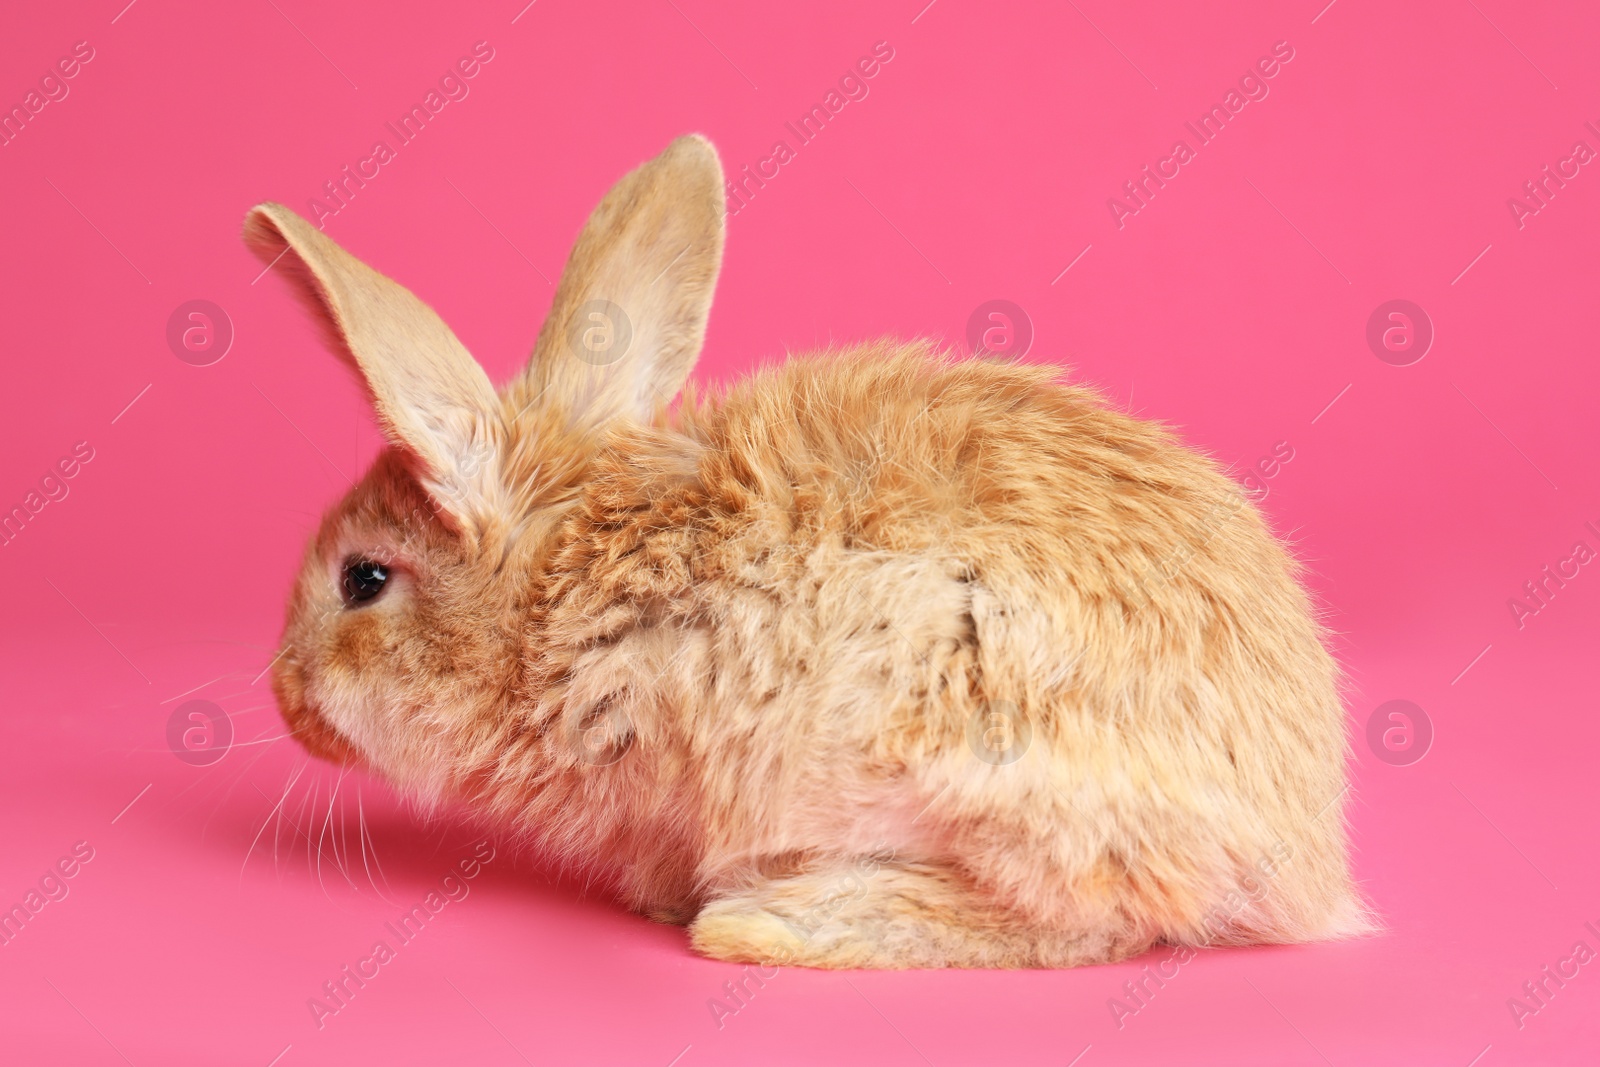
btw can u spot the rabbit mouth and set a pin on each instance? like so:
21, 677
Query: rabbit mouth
306, 724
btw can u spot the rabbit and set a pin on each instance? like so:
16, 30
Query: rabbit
877, 658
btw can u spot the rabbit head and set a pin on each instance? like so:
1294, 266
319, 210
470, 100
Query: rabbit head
405, 640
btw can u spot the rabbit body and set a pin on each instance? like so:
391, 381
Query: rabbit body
875, 659
807, 598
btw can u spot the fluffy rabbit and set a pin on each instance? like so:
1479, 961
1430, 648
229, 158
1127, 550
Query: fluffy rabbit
877, 658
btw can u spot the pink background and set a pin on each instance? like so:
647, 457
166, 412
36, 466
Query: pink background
1234, 306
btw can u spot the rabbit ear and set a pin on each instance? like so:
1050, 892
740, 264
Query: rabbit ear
629, 316
432, 397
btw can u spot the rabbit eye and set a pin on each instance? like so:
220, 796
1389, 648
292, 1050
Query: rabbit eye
363, 580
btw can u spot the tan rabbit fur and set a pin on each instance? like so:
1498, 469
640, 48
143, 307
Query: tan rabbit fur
877, 658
